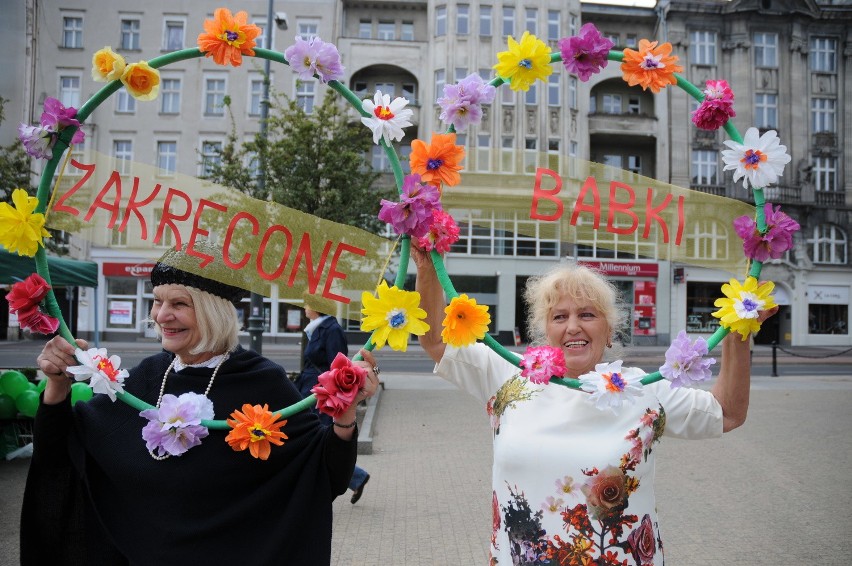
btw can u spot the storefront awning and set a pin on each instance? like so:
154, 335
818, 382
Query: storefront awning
63, 272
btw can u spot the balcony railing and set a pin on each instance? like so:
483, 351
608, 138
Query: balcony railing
781, 193
718, 190
830, 199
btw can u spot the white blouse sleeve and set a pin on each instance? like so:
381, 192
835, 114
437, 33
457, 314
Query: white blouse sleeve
476, 369
690, 413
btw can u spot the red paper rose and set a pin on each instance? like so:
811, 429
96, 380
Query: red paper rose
36, 321
338, 386
27, 294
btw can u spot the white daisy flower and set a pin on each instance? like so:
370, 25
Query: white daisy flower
101, 370
611, 386
759, 160
387, 119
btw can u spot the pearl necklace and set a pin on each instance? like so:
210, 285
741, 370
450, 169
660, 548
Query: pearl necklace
163, 389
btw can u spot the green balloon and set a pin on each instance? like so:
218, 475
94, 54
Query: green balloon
41, 385
7, 407
27, 403
13, 383
80, 392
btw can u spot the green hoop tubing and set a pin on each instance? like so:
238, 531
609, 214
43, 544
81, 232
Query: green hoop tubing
63, 142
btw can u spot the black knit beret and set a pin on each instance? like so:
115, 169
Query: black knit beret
172, 267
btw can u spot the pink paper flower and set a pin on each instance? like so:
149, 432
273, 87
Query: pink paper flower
540, 363
39, 140
462, 103
176, 426
338, 386
586, 53
314, 57
412, 215
777, 239
716, 108
27, 294
685, 363
443, 233
37, 322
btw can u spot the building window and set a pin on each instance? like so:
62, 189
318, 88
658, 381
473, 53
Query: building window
461, 73
483, 152
606, 245
593, 104
485, 21
211, 157
631, 40
69, 90
167, 237
170, 96
440, 81
386, 88
613, 37
825, 174
507, 155
121, 302
365, 29
507, 97
122, 151
503, 234
255, 96
823, 115
572, 92
379, 159
611, 104
554, 88
699, 307
409, 91
828, 244
708, 240
508, 21
167, 157
252, 164
531, 96
307, 28
828, 319
305, 92
765, 49
634, 163
440, 21
173, 36
823, 54
215, 89
463, 19
72, 32
386, 30
407, 31
554, 25
530, 155
130, 35
124, 103
705, 167
116, 238
702, 47
531, 21
260, 40
360, 88
573, 21
766, 111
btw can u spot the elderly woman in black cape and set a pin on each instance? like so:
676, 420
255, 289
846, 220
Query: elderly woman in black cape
96, 494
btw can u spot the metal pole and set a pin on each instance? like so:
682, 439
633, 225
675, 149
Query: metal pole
774, 358
256, 318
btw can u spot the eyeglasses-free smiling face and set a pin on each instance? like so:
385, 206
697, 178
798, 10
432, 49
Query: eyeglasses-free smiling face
174, 313
581, 331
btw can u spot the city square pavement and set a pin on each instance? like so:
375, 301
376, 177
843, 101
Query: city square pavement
774, 492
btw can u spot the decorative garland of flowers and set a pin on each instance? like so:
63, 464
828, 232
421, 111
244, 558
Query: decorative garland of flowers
393, 314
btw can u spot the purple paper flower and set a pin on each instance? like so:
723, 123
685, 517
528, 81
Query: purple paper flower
716, 108
585, 54
176, 426
39, 140
772, 244
412, 215
314, 57
540, 363
462, 103
685, 363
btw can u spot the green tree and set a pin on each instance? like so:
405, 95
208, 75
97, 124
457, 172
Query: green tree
14, 166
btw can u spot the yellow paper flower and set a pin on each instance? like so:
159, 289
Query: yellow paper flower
739, 311
393, 315
107, 65
141, 80
21, 231
524, 62
466, 322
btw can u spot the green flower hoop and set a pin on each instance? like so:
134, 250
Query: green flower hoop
44, 191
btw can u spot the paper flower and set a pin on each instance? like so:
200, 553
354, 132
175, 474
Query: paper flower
412, 215
651, 67
685, 363
314, 57
611, 386
586, 53
39, 140
393, 315
540, 363
738, 312
462, 103
101, 370
255, 428
716, 108
21, 230
176, 426
387, 119
27, 294
524, 62
777, 239
228, 37
107, 65
758, 161
37, 322
443, 233
336, 389
141, 81
465, 323
438, 162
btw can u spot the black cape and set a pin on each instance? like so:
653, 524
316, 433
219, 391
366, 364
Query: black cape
94, 494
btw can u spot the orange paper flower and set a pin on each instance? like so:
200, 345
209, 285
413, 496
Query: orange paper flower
466, 322
651, 67
439, 162
228, 37
141, 80
255, 428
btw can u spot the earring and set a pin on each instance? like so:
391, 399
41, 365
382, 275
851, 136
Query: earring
609, 344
